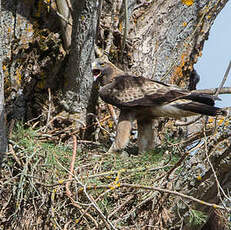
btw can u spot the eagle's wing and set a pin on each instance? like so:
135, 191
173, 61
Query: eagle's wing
131, 91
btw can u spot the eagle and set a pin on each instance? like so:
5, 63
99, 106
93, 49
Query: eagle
143, 99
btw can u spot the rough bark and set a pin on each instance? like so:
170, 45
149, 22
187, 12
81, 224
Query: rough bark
169, 36
198, 180
78, 80
3, 140
165, 38
32, 54
64, 8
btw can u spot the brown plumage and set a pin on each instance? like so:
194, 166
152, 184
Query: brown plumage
142, 99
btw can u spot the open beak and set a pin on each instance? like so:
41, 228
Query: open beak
95, 70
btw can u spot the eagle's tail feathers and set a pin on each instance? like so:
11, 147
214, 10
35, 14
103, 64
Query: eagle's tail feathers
202, 109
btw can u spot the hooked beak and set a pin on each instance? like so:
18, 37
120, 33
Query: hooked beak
95, 70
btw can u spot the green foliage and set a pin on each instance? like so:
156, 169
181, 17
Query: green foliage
29, 144
197, 218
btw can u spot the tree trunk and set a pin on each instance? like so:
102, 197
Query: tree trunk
78, 80
169, 36
32, 56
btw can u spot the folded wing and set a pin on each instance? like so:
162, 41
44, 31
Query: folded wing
128, 91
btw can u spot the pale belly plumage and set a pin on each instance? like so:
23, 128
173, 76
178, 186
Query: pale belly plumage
170, 111
167, 110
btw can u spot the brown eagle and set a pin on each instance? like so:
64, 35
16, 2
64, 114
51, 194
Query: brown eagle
142, 99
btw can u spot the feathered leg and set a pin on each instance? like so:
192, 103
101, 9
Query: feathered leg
145, 135
123, 130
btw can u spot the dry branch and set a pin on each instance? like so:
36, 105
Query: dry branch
68, 191
224, 79
174, 193
223, 90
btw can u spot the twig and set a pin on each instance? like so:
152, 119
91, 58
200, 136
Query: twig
11, 150
178, 163
68, 192
73, 158
108, 224
121, 206
64, 19
100, 126
101, 195
92, 187
148, 168
60, 15
219, 188
195, 137
223, 90
174, 193
224, 79
125, 28
88, 142
49, 108
10, 129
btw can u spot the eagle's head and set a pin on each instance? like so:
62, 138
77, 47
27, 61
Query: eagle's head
104, 71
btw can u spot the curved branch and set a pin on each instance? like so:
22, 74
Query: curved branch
224, 79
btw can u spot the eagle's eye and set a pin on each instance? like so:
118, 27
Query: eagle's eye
103, 64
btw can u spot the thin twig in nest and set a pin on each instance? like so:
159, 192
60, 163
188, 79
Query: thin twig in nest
108, 224
219, 188
68, 192
135, 186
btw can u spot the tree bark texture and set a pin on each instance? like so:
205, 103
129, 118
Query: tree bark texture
198, 179
165, 38
78, 80
32, 55
64, 8
168, 37
3, 139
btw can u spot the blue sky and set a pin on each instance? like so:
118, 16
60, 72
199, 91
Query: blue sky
216, 55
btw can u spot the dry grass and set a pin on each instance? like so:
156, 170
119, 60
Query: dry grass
40, 191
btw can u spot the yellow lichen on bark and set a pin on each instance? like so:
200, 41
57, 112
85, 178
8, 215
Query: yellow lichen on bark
178, 73
185, 24
18, 76
199, 177
187, 2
